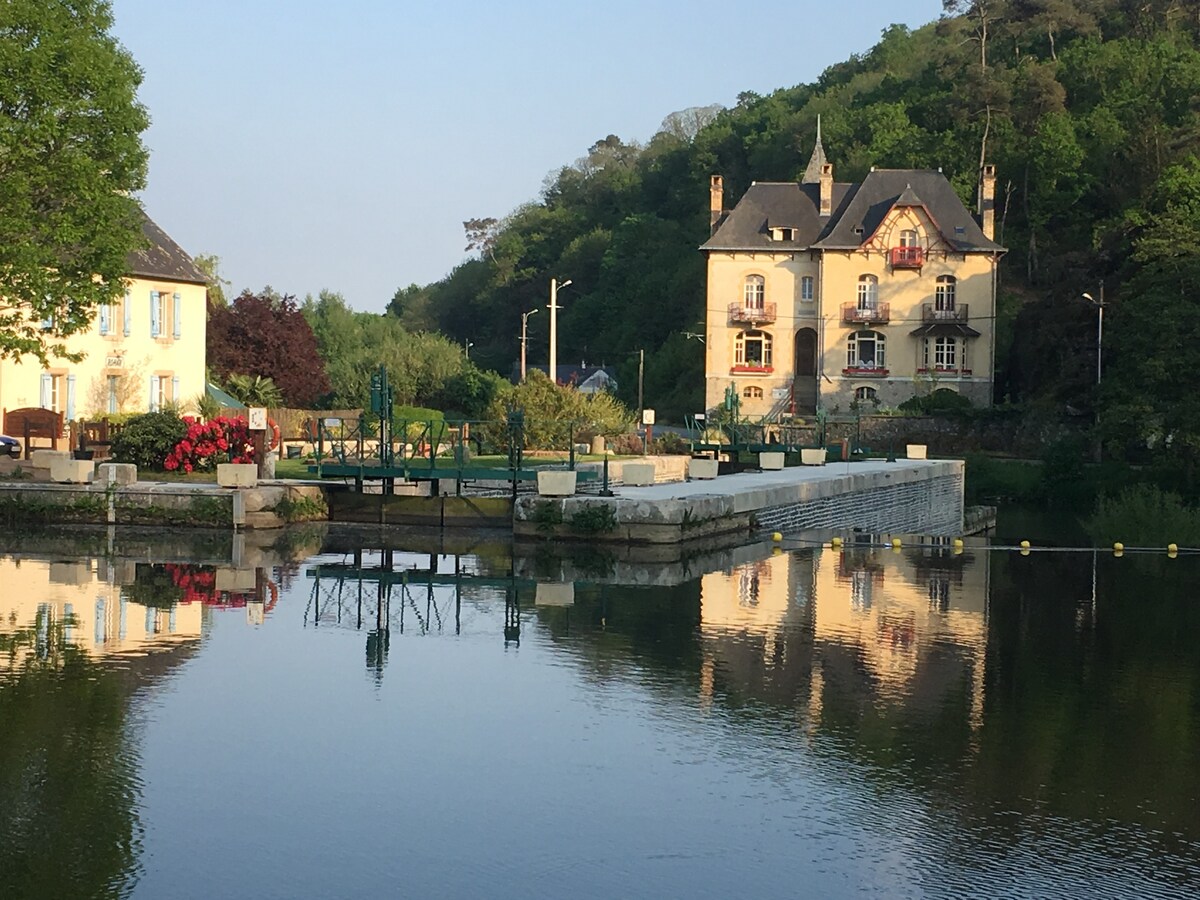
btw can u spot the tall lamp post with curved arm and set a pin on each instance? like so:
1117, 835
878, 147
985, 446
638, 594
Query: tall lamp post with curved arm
525, 337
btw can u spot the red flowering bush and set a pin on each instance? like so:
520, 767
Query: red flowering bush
223, 439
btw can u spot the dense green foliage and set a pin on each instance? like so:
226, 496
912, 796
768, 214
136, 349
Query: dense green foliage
70, 154
1146, 515
146, 440
1087, 107
556, 414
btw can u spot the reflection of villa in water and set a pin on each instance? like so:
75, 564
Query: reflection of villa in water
866, 622
111, 608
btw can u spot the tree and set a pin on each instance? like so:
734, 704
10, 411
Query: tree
257, 336
254, 390
70, 155
210, 265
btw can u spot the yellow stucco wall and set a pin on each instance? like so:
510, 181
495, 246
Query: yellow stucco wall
134, 358
906, 291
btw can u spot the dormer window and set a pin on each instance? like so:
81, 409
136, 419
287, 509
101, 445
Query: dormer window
783, 233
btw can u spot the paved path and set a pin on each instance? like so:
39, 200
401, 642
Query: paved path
744, 482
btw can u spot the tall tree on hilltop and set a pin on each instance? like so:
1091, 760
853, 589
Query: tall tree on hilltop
70, 155
257, 336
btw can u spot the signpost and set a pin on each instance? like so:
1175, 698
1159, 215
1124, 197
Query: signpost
648, 421
257, 418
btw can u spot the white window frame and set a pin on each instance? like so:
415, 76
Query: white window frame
754, 292
742, 342
945, 292
806, 288
854, 350
909, 237
866, 394
868, 292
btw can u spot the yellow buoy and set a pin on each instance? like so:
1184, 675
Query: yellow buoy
895, 543
958, 543
1172, 549
835, 542
776, 536
1024, 545
1118, 547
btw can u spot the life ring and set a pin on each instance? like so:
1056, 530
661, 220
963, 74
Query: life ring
274, 589
274, 434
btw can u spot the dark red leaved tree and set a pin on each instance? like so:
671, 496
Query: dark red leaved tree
258, 335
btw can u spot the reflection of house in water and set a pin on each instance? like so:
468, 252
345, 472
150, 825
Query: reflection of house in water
121, 607
853, 626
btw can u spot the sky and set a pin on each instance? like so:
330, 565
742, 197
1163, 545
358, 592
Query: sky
340, 146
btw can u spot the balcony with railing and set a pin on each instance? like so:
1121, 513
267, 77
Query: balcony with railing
908, 257
956, 313
874, 313
865, 371
743, 314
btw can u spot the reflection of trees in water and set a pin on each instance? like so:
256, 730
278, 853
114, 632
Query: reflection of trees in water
68, 770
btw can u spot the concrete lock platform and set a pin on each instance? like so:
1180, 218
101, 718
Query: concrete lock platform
924, 496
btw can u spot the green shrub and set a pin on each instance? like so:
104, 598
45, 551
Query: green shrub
1144, 514
146, 440
941, 401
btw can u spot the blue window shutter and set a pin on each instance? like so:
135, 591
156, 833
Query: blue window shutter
70, 398
128, 307
175, 389
105, 314
177, 312
45, 404
154, 323
153, 398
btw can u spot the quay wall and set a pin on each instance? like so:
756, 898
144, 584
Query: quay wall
917, 497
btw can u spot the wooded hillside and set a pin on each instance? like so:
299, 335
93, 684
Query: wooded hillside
1088, 108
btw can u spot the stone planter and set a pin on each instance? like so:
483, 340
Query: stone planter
237, 475
812, 456
702, 469
917, 451
556, 483
637, 473
72, 471
770, 460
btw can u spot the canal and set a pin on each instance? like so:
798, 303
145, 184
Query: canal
374, 713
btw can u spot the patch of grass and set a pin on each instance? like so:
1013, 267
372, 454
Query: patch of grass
547, 515
594, 518
302, 509
1146, 515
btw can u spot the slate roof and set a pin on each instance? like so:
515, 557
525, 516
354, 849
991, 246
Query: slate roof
162, 257
884, 188
865, 205
770, 205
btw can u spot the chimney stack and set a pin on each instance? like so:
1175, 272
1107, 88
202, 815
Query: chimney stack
716, 202
987, 201
827, 189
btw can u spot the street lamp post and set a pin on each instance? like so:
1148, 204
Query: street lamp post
525, 337
467, 348
554, 286
1099, 357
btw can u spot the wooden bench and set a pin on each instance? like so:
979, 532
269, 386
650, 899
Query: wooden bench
33, 422
95, 436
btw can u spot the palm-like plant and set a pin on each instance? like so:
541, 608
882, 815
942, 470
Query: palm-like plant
255, 390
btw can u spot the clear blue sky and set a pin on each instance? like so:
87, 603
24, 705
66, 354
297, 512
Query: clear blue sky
316, 145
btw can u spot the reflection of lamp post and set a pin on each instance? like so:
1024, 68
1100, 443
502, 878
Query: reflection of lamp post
1099, 356
525, 337
554, 286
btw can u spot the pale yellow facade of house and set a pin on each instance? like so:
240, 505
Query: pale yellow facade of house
141, 353
839, 296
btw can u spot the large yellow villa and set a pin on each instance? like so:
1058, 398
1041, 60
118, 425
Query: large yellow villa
140, 353
821, 293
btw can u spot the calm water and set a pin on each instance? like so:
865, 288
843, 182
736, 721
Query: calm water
327, 720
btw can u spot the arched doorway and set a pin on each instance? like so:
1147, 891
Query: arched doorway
804, 375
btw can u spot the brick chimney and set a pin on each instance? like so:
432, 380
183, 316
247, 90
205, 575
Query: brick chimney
987, 201
716, 202
827, 189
